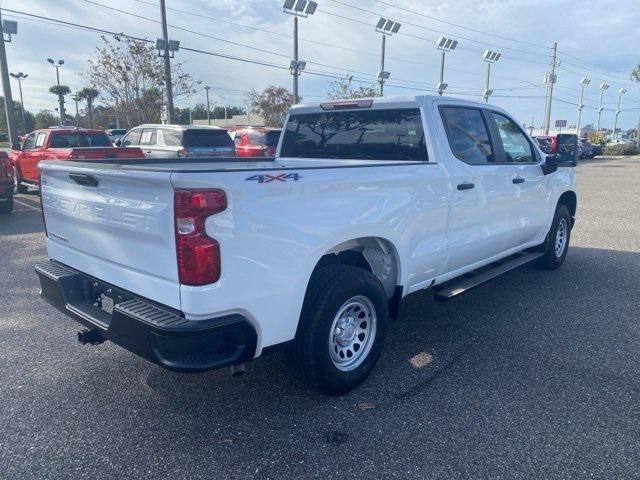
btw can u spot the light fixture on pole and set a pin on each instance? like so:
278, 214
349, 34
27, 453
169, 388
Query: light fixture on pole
603, 88
489, 57
385, 27
57, 64
583, 83
21, 76
445, 45
621, 92
297, 8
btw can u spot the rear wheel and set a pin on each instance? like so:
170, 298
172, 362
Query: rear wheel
341, 330
18, 187
557, 243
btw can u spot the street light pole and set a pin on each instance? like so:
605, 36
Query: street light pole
583, 83
489, 57
297, 8
206, 89
21, 76
621, 92
167, 62
381, 77
603, 88
76, 98
57, 66
6, 87
445, 45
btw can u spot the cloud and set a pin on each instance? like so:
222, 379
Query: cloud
593, 41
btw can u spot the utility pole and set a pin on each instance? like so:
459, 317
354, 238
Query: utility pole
167, 63
76, 98
550, 80
6, 87
21, 76
248, 116
208, 109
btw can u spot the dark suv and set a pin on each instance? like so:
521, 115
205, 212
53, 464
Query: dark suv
179, 141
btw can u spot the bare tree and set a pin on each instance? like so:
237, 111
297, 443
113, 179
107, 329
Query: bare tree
130, 78
342, 89
271, 104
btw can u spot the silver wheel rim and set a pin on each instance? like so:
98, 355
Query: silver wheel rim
561, 237
352, 333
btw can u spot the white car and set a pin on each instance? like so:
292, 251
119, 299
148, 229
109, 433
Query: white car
198, 264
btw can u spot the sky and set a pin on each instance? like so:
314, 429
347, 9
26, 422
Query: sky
597, 39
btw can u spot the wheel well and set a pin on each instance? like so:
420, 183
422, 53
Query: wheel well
373, 254
571, 201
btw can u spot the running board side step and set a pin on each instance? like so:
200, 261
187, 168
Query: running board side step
473, 279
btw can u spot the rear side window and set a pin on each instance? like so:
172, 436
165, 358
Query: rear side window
515, 144
468, 135
72, 140
207, 138
362, 134
172, 138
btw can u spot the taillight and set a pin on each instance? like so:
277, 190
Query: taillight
198, 254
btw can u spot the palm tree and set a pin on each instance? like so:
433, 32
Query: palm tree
89, 94
60, 91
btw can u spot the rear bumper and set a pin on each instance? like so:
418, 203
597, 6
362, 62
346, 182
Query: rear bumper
155, 332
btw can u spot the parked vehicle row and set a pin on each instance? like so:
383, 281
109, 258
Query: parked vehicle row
549, 145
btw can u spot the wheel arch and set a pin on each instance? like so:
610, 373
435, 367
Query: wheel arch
570, 200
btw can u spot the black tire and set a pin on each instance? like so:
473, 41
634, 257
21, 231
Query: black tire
6, 206
552, 258
330, 290
19, 187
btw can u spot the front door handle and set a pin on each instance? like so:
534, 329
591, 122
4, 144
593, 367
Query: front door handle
518, 180
466, 186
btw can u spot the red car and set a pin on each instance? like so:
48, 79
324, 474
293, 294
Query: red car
6, 183
256, 141
62, 143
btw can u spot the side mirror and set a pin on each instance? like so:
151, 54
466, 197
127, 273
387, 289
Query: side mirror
118, 142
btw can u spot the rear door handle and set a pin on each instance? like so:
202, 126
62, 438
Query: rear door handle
518, 180
465, 186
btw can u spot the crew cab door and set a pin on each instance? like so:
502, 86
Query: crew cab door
481, 188
528, 210
32, 153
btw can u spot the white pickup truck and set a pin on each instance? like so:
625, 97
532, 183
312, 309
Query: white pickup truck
198, 264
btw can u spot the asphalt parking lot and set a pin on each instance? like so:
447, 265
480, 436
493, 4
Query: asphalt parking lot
534, 375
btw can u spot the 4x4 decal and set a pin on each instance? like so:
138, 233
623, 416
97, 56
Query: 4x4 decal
267, 178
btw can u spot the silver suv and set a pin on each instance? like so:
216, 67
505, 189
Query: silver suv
180, 141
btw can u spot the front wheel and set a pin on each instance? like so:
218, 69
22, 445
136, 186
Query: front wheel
557, 242
342, 329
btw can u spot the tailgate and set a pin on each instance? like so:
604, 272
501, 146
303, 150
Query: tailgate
114, 225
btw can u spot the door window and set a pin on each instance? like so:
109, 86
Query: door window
172, 138
515, 144
40, 139
29, 142
148, 136
132, 138
468, 135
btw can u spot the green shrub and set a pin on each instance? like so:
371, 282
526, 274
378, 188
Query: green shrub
628, 149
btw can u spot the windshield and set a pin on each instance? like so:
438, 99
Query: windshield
268, 139
395, 134
207, 138
71, 140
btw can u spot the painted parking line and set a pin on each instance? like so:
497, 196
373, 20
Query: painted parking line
30, 207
